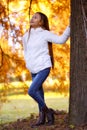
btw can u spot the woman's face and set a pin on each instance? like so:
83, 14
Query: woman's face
36, 20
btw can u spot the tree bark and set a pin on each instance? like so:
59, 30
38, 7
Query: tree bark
78, 63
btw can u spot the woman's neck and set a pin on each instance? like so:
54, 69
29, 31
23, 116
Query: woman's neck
36, 27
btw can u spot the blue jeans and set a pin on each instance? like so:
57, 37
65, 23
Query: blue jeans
36, 89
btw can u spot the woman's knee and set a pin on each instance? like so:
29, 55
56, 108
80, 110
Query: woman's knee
30, 92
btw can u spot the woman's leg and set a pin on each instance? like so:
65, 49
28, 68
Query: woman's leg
33, 92
36, 91
36, 85
40, 91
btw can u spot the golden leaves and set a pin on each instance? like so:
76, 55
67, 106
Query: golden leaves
12, 62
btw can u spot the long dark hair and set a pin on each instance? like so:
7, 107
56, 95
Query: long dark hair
45, 25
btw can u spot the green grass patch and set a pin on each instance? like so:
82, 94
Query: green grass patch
22, 106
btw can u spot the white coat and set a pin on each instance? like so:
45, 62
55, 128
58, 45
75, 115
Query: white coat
36, 52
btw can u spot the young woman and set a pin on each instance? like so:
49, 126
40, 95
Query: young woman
38, 61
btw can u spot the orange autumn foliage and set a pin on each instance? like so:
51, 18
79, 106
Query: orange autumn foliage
14, 21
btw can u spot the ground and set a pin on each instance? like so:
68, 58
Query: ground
61, 123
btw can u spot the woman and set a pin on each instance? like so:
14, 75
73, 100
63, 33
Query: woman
38, 61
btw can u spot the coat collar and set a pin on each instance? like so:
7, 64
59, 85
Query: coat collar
39, 29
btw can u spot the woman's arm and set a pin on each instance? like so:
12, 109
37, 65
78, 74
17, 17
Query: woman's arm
51, 37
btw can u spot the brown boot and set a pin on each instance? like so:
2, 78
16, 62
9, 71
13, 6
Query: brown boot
49, 115
41, 120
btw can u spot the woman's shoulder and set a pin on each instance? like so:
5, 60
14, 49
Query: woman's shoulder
45, 31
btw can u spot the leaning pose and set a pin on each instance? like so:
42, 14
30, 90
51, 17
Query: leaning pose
39, 61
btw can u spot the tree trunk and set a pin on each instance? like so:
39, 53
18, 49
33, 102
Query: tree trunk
78, 62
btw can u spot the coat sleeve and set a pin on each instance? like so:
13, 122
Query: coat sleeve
51, 37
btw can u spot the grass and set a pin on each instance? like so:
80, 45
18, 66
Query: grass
23, 106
